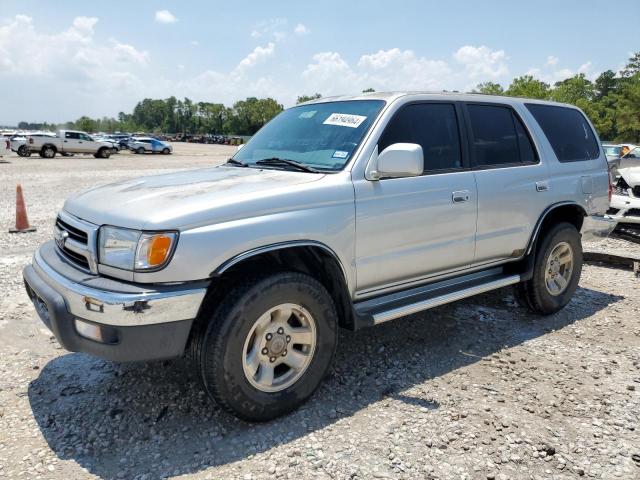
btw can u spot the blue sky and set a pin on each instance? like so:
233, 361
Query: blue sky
60, 60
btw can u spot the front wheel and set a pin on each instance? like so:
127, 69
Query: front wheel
166, 151
140, 150
556, 273
266, 347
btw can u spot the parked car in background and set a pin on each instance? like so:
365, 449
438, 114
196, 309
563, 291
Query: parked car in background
612, 152
350, 212
149, 145
69, 141
625, 199
19, 142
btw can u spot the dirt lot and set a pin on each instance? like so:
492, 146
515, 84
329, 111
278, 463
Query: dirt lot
479, 389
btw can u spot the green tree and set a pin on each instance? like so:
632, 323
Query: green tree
368, 90
489, 88
606, 84
628, 110
632, 67
306, 98
576, 90
86, 124
528, 87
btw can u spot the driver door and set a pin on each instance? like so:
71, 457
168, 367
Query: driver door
409, 229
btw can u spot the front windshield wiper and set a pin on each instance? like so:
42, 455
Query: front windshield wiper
233, 161
285, 161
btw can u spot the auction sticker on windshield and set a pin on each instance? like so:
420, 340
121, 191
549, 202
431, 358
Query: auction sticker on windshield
344, 120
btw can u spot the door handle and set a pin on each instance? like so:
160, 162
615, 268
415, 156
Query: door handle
542, 186
460, 196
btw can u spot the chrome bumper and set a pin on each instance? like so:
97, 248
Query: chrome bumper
123, 308
596, 227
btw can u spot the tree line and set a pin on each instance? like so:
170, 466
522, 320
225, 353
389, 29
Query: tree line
612, 102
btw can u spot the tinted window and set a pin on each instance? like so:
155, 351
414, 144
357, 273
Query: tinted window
568, 132
499, 138
433, 126
74, 135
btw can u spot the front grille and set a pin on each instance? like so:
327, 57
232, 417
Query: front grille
76, 258
636, 191
75, 241
73, 232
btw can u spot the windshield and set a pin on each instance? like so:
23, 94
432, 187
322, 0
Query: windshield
322, 136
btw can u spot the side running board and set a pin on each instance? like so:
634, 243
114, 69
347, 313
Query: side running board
400, 304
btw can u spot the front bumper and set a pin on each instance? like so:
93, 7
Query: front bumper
110, 319
625, 209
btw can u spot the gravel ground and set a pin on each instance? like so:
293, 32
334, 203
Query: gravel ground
479, 389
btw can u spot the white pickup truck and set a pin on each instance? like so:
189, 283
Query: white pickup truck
69, 141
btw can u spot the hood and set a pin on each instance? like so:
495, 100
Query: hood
185, 199
629, 169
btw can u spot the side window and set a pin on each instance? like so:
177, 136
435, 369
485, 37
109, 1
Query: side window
433, 126
73, 135
499, 137
86, 138
568, 132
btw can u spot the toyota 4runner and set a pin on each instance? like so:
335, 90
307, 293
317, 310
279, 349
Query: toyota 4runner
342, 212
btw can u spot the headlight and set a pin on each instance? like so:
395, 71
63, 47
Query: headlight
135, 250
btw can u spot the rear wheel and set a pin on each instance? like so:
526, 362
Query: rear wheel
265, 348
140, 150
556, 272
48, 152
23, 151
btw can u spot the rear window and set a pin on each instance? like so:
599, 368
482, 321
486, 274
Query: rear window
568, 132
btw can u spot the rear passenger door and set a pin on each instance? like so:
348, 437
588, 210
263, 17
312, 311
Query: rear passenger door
513, 185
408, 229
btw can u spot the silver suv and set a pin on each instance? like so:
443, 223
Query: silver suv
343, 212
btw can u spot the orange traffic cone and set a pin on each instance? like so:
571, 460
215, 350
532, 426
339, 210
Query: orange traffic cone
22, 222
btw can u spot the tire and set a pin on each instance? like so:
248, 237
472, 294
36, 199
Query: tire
140, 150
23, 151
243, 321
48, 152
553, 283
165, 151
104, 152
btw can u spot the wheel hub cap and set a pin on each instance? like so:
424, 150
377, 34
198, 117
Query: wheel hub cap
279, 347
559, 269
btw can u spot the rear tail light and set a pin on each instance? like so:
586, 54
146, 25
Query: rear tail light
610, 187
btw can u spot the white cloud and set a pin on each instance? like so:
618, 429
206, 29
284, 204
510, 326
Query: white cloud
165, 16
482, 62
551, 72
257, 55
551, 61
396, 69
301, 29
270, 27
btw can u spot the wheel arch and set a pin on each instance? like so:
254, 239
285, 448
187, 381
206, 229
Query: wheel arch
45, 145
570, 212
305, 256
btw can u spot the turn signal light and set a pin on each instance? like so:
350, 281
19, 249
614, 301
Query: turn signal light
159, 248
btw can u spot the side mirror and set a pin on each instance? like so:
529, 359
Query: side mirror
399, 160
